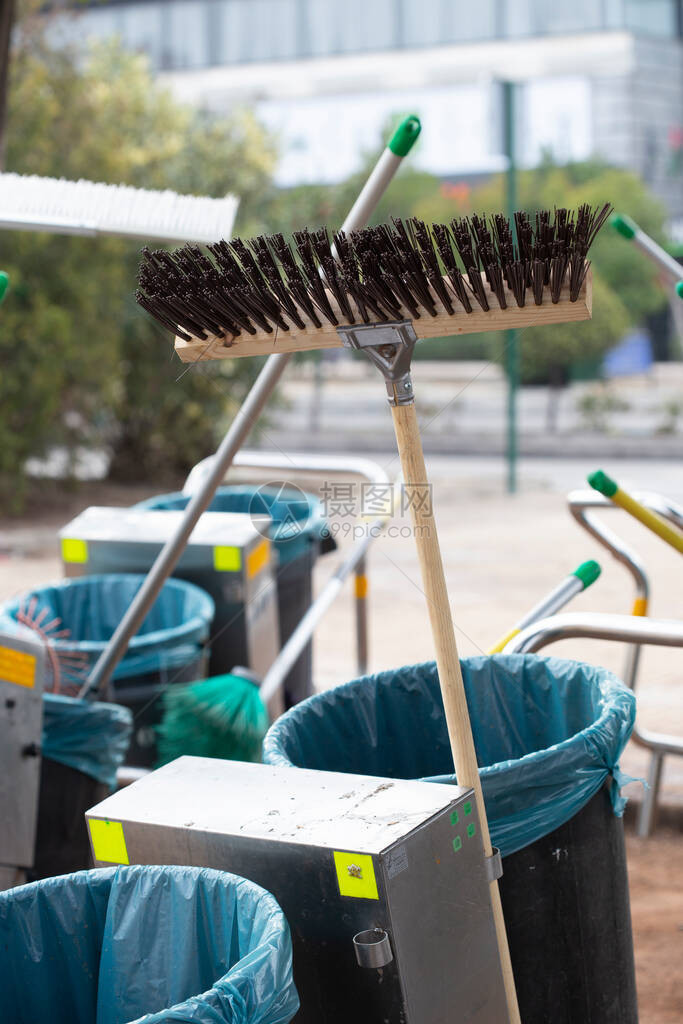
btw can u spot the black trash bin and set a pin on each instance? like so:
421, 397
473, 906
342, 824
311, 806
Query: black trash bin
83, 744
548, 733
299, 535
152, 944
169, 647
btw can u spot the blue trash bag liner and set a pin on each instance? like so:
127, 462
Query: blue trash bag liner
547, 731
145, 944
165, 660
298, 519
89, 736
91, 607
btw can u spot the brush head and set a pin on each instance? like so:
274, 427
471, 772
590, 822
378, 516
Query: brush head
267, 294
219, 717
32, 203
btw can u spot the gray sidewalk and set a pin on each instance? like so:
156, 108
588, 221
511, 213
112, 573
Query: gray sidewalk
463, 410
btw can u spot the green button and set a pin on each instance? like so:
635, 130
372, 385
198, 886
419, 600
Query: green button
455, 818
468, 807
471, 829
457, 843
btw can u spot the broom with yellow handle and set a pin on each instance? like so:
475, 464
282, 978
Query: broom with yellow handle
608, 487
374, 290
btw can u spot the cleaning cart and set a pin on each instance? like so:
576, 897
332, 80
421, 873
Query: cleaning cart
548, 734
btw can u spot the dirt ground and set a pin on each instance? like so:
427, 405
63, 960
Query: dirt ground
501, 555
654, 867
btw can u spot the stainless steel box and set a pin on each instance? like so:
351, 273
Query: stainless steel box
343, 855
228, 554
22, 669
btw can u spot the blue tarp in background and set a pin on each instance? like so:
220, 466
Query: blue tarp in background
548, 732
633, 355
145, 944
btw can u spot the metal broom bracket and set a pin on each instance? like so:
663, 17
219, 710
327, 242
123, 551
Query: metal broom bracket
390, 347
494, 865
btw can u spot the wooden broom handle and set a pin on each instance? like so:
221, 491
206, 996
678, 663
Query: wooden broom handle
447, 661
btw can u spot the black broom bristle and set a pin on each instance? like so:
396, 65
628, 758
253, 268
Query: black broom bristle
398, 270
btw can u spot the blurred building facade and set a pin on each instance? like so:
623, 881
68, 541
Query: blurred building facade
596, 77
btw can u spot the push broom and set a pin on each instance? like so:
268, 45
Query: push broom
93, 208
377, 291
611, 490
670, 269
390, 160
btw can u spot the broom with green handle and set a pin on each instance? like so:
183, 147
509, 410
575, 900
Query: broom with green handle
608, 487
629, 230
576, 582
387, 288
670, 268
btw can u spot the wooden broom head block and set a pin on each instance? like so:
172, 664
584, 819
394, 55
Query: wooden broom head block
442, 325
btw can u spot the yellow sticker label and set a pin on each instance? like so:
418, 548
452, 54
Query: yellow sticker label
639, 606
257, 558
74, 550
361, 587
227, 559
356, 875
108, 841
17, 667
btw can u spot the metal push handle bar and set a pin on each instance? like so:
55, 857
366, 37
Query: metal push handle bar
277, 673
294, 462
597, 626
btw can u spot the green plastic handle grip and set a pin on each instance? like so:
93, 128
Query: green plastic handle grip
587, 572
4, 284
679, 289
624, 225
405, 136
599, 481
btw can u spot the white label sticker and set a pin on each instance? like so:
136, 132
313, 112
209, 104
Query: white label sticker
397, 861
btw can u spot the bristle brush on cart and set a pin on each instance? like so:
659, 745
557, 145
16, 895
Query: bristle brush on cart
378, 290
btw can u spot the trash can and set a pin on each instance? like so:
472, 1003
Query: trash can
158, 944
548, 734
83, 744
168, 648
298, 534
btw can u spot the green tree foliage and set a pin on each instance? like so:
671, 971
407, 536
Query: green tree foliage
548, 353
82, 364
